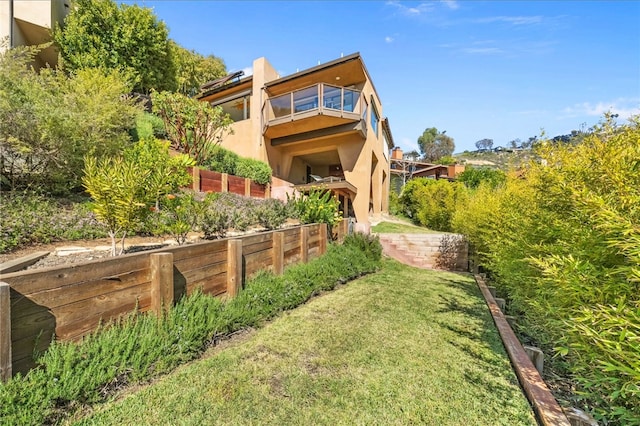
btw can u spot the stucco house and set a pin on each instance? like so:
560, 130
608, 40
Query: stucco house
29, 23
319, 126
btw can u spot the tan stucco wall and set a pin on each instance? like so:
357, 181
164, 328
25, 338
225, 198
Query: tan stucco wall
355, 153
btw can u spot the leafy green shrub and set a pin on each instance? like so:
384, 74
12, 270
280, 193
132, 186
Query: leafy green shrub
318, 206
367, 243
472, 177
224, 211
149, 126
139, 347
29, 218
271, 213
430, 202
256, 170
179, 214
222, 160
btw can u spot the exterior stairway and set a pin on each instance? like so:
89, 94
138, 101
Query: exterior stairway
427, 251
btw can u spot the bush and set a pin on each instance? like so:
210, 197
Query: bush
431, 203
255, 170
224, 211
178, 215
318, 206
149, 126
222, 161
139, 347
271, 213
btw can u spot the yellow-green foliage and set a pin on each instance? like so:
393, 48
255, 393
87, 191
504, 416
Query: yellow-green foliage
562, 239
431, 203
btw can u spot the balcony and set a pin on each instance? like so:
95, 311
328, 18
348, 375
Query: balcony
316, 107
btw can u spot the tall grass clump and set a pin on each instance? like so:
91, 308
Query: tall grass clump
562, 239
139, 347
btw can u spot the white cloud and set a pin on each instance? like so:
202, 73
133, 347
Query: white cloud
451, 4
418, 10
483, 50
388, 39
513, 20
624, 107
247, 71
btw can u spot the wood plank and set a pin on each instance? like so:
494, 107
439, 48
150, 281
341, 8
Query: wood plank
27, 282
207, 248
79, 291
72, 327
22, 262
32, 325
161, 271
5, 332
106, 305
234, 268
25, 348
212, 288
25, 305
204, 273
256, 248
256, 238
277, 253
200, 261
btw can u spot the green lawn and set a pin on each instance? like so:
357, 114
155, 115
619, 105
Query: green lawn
401, 346
400, 228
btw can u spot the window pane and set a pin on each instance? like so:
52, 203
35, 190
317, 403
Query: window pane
350, 99
305, 99
281, 105
236, 108
374, 120
331, 97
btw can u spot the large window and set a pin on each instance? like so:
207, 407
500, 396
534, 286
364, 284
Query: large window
237, 108
375, 118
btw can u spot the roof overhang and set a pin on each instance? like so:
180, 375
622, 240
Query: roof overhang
341, 187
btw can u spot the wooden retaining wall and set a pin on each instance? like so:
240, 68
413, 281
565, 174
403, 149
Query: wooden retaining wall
209, 181
72, 301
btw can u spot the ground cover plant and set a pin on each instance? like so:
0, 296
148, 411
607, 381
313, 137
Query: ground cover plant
373, 352
399, 228
29, 219
560, 239
143, 346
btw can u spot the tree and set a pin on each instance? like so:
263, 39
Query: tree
42, 146
473, 177
435, 145
193, 69
484, 144
118, 189
128, 38
194, 127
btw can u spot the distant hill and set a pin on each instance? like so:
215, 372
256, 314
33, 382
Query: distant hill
502, 160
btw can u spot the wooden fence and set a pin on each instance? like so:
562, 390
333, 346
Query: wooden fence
72, 301
208, 181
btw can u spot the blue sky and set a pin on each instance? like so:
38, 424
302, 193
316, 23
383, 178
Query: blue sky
500, 69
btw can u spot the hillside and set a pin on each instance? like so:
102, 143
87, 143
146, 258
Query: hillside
502, 160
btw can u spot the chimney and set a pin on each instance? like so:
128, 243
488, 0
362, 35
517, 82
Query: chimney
396, 153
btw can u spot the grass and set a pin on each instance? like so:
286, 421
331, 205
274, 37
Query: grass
400, 228
402, 346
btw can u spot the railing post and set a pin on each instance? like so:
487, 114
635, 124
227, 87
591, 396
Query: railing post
267, 191
224, 180
234, 267
247, 187
304, 244
195, 173
5, 332
323, 238
162, 295
278, 252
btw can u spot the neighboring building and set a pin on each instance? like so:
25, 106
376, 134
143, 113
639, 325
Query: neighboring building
323, 125
406, 168
29, 23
